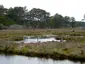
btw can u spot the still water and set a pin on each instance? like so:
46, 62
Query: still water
35, 40
4, 59
38, 40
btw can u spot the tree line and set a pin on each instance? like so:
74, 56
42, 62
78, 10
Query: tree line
34, 18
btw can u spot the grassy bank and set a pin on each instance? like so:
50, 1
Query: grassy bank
73, 49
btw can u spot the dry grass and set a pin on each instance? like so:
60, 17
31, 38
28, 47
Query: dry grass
75, 45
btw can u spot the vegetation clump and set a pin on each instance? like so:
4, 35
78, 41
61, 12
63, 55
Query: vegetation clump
73, 48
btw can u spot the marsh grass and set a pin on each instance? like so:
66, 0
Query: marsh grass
74, 47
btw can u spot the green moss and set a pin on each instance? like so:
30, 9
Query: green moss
24, 50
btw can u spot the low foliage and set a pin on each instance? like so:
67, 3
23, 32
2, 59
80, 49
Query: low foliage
74, 47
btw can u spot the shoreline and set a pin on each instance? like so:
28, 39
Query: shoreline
54, 55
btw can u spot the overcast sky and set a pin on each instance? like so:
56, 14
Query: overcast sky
75, 8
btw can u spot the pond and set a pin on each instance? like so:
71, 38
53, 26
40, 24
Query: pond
15, 59
28, 39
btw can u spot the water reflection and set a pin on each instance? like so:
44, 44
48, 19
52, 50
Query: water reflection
35, 40
32, 60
